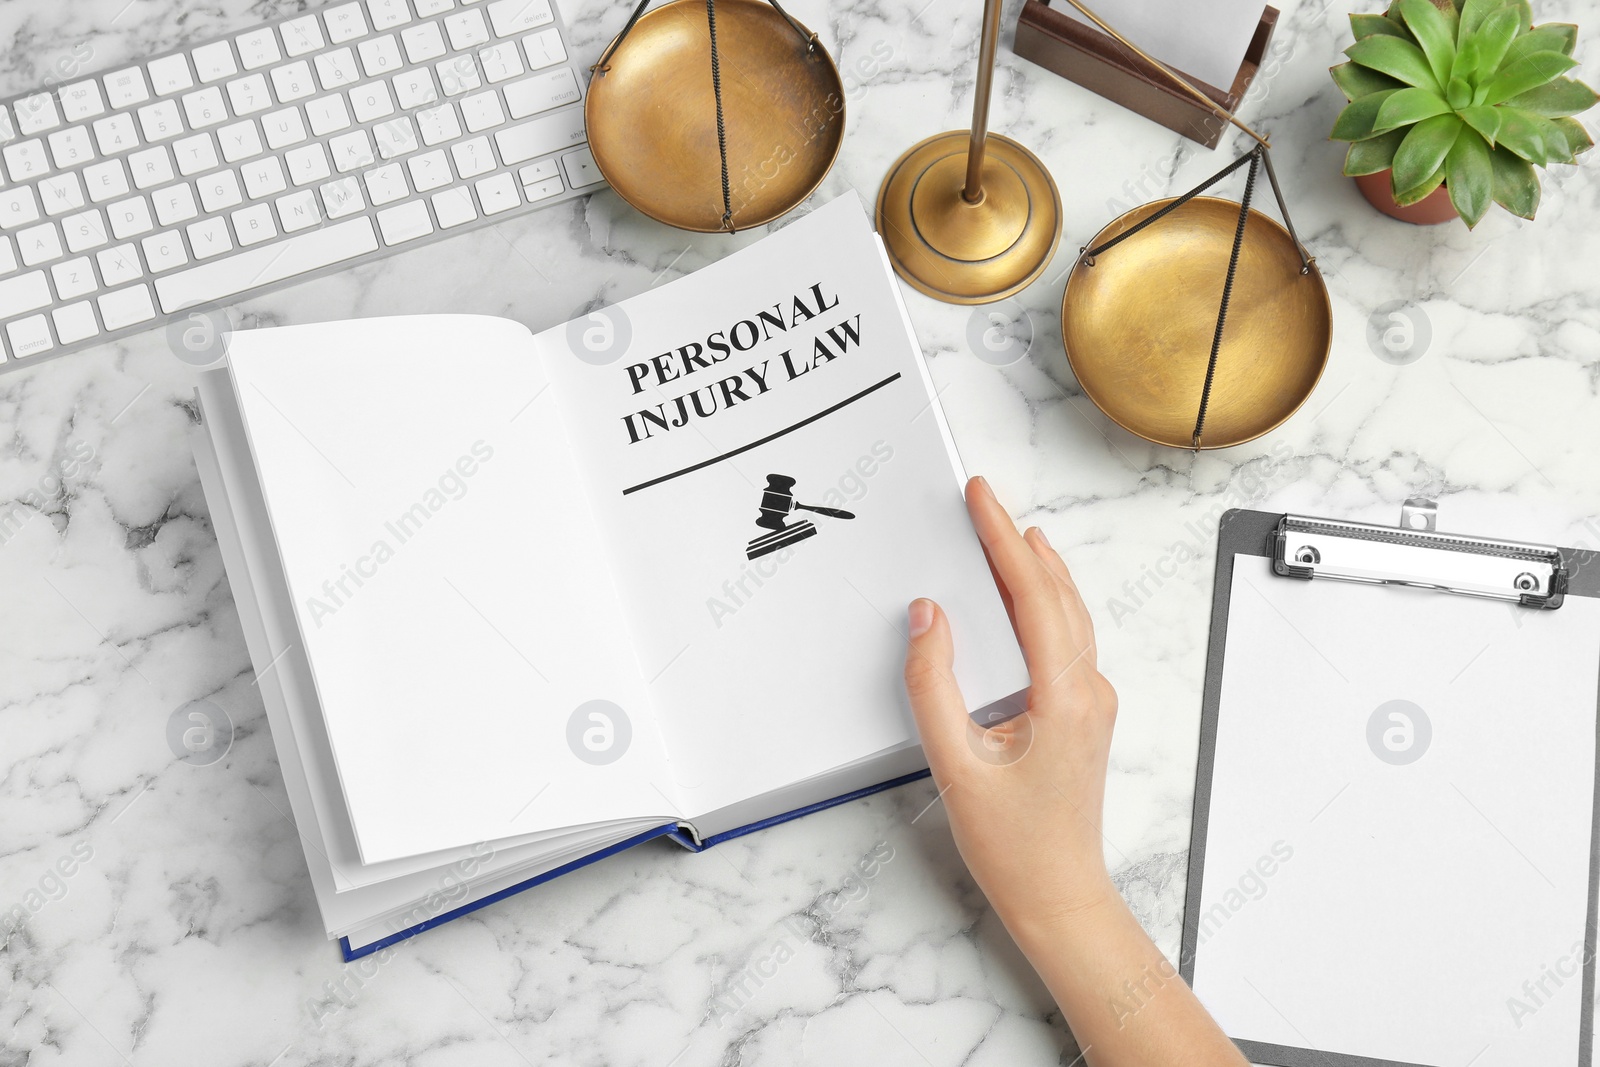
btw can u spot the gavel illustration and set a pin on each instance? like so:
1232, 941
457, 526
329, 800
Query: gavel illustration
777, 504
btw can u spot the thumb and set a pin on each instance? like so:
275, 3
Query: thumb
936, 701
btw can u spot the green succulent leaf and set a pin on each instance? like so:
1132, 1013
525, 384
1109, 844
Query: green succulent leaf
1547, 38
1396, 58
1355, 122
1434, 33
1356, 81
1516, 183
1364, 26
1529, 72
1421, 192
1557, 99
1423, 151
1458, 93
1473, 12
1469, 176
1374, 155
1578, 139
1408, 106
1533, 137
1524, 12
1566, 32
1481, 51
1486, 120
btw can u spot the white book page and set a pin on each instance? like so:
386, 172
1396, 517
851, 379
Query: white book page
447, 582
1203, 40
771, 669
1382, 882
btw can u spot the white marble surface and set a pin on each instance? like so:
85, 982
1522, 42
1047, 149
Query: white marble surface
189, 934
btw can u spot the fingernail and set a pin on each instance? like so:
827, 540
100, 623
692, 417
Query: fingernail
1040, 531
920, 617
983, 483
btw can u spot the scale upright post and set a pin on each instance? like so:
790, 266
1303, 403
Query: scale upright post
970, 217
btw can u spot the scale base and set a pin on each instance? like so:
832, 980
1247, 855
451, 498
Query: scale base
794, 533
965, 253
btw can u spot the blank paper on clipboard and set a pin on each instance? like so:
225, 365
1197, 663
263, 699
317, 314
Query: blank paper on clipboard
1394, 845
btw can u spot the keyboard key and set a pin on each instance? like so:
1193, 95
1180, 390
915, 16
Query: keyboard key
293, 81
302, 35
541, 136
204, 108
17, 206
406, 222
544, 48
229, 276
298, 210
124, 88
283, 128
345, 23
130, 217
414, 88
84, 230
307, 164
466, 29
26, 292
337, 69
209, 237
500, 62
352, 151
438, 124
119, 265
75, 322
36, 114
8, 130
39, 244
581, 169
249, 95
327, 114
115, 133
174, 204
170, 74
81, 100
195, 155
214, 62
430, 170
498, 194
386, 184
453, 207
541, 92
538, 172
342, 197
387, 14
8, 257
258, 48
254, 224
151, 167
458, 74
543, 189
395, 137
71, 147
423, 42
429, 8
126, 307
219, 191
239, 141
29, 336
473, 157
106, 180
160, 120
514, 16
371, 101
74, 278
60, 194
380, 56
263, 177
26, 160
164, 251
481, 111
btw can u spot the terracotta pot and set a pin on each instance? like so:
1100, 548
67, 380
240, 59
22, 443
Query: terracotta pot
1431, 209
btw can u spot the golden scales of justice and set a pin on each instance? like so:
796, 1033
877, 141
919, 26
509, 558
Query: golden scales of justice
1194, 322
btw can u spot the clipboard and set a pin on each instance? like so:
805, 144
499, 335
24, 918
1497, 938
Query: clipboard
1313, 908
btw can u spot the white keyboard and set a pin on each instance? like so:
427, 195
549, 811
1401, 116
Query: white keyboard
260, 159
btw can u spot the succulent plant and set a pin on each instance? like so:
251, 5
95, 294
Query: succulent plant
1468, 94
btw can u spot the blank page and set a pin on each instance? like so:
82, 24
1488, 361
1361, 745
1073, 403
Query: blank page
1397, 862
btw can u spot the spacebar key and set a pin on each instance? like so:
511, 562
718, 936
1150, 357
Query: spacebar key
285, 258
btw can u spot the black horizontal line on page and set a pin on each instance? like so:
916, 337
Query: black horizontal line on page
770, 437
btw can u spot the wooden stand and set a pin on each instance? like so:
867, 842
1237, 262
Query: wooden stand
1079, 52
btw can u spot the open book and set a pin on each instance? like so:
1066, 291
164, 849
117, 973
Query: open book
519, 601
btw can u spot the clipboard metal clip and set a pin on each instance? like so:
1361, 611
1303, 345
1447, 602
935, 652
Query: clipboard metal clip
1415, 553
